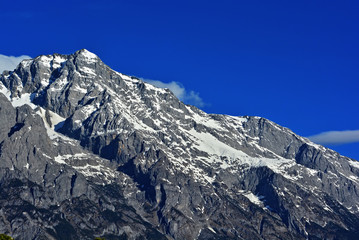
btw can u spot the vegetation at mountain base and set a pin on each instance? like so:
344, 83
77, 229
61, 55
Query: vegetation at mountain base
5, 237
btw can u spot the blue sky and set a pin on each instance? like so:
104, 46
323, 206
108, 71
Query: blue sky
293, 62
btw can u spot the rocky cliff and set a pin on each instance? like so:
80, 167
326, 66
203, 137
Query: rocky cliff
86, 151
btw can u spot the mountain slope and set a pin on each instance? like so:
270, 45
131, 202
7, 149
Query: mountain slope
185, 173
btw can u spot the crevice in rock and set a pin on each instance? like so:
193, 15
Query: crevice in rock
161, 204
142, 179
15, 128
73, 180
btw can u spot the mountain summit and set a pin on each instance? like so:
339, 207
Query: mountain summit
88, 152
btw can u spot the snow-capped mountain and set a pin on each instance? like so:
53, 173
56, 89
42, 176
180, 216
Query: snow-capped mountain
86, 151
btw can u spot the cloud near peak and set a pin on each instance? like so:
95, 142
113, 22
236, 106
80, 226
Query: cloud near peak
189, 97
336, 137
10, 62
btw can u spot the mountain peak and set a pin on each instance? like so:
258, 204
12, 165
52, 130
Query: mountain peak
173, 163
87, 55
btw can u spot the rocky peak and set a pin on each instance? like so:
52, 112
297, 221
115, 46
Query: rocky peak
190, 174
87, 55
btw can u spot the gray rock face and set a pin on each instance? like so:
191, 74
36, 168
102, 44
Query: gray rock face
91, 152
43, 199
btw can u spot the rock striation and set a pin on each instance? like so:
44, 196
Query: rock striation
88, 152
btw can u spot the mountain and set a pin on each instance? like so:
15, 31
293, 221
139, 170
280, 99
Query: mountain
88, 152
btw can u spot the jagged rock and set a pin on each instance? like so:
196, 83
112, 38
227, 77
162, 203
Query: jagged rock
88, 151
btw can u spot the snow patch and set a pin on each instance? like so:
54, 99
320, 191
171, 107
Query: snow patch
211, 229
26, 63
354, 163
5, 91
24, 99
56, 123
206, 142
59, 84
58, 61
89, 56
61, 158
79, 89
46, 61
253, 198
88, 71
354, 178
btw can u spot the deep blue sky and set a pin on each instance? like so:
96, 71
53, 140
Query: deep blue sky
293, 62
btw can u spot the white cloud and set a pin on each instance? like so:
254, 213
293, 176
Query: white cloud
10, 62
181, 93
336, 137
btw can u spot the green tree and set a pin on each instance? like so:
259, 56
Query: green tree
97, 238
5, 237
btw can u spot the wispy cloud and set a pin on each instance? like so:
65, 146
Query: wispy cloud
189, 97
10, 62
336, 137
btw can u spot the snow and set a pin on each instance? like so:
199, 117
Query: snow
354, 163
24, 99
4, 90
59, 84
235, 119
88, 110
354, 178
206, 121
46, 61
58, 61
26, 63
97, 169
89, 56
253, 198
60, 159
312, 144
79, 89
211, 229
312, 172
327, 208
47, 156
56, 121
151, 87
127, 78
206, 142
88, 70
45, 81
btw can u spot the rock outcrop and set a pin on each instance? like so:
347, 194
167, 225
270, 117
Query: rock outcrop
86, 151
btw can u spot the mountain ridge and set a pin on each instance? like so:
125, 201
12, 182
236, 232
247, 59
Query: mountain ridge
190, 174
